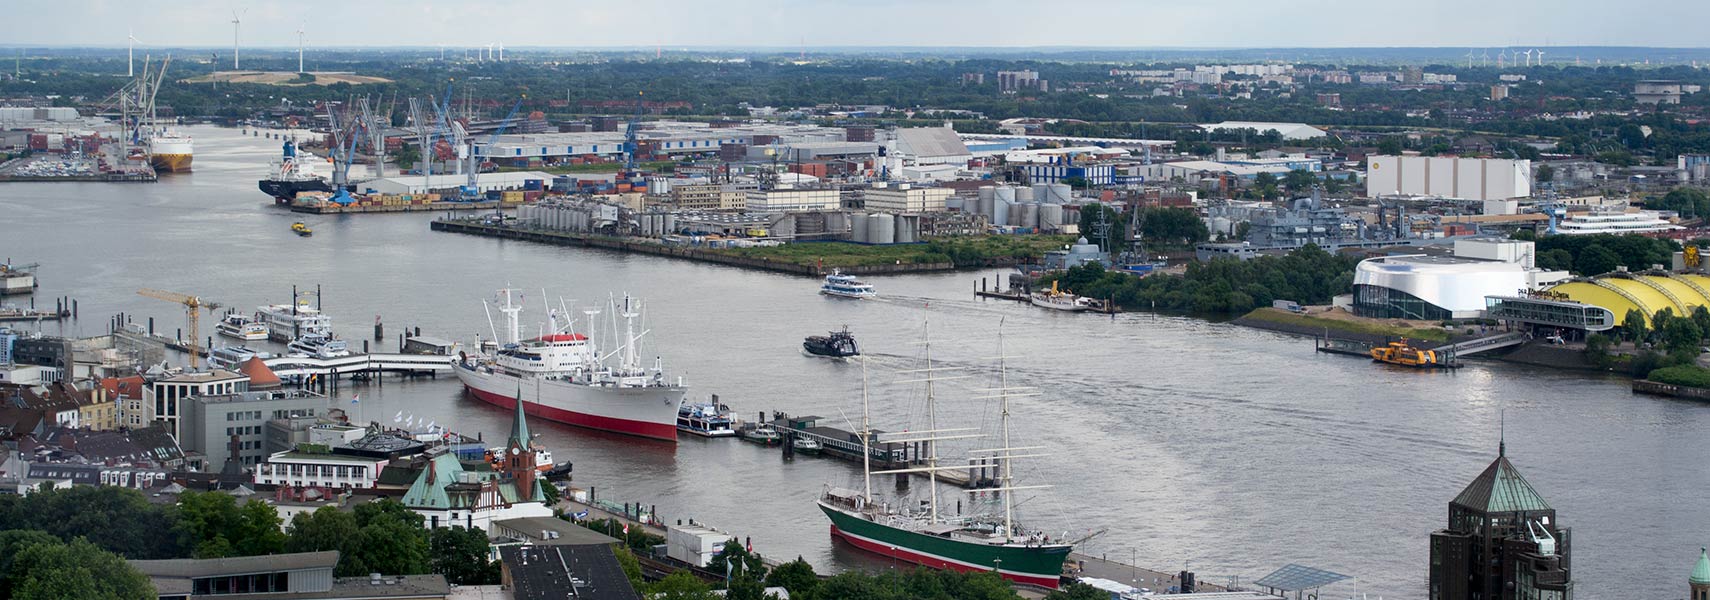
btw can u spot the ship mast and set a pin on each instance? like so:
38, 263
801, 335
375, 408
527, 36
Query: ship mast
931, 423
511, 310
1003, 418
866, 439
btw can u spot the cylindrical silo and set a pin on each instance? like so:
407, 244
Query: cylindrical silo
1029, 215
1023, 194
1059, 193
1000, 211
881, 229
956, 203
987, 192
908, 229
1005, 193
858, 228
670, 223
1051, 217
1041, 191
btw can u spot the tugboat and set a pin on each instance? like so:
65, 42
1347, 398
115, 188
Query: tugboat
835, 344
301, 229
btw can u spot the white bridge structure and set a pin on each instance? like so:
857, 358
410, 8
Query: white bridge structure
409, 364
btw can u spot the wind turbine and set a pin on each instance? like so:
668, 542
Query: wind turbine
1528, 54
1484, 59
1470, 56
1540, 58
131, 54
299, 49
237, 24
501, 52
489, 51
1502, 58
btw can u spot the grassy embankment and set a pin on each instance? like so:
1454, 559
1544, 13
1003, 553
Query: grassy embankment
971, 251
1369, 327
1686, 375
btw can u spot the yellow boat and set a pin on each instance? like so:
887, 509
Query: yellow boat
1399, 353
301, 229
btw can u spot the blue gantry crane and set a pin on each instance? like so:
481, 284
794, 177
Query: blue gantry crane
471, 190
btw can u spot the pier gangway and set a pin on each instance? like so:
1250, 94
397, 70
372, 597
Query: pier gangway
1482, 344
299, 366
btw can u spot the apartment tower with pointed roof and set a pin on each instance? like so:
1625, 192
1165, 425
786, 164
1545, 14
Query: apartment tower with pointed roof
1503, 542
519, 461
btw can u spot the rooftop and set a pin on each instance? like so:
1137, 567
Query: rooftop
557, 572
1499, 489
208, 567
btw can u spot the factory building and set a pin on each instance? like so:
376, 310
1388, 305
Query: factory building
663, 138
904, 197
711, 196
932, 146
1449, 177
420, 184
790, 199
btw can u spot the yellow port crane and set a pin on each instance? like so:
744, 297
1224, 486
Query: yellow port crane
192, 305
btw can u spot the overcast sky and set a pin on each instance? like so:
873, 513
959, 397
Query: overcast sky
791, 23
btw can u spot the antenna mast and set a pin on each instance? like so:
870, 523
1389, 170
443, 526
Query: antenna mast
1007, 475
931, 422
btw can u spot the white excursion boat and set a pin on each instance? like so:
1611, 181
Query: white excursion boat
241, 327
319, 346
230, 357
1059, 300
287, 322
561, 376
846, 286
709, 419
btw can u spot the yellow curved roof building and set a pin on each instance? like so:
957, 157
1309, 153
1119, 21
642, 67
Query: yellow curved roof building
1647, 293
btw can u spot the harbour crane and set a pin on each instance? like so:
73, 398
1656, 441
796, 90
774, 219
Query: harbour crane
471, 190
630, 146
192, 306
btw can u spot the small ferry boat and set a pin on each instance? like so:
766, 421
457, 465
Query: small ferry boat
1060, 300
542, 460
846, 286
1400, 353
835, 344
806, 446
709, 419
301, 229
230, 357
764, 434
319, 346
242, 327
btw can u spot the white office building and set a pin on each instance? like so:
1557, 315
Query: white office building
788, 200
1449, 177
905, 198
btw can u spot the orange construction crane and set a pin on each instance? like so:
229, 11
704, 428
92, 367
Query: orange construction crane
192, 305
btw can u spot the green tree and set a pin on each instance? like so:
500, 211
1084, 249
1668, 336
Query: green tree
460, 554
119, 520
1546, 174
1390, 146
1078, 591
1113, 224
327, 528
206, 520
1265, 185
1597, 350
631, 568
259, 530
387, 546
386, 509
680, 586
797, 576
1299, 181
738, 562
745, 588
1596, 260
75, 570
12, 543
1633, 326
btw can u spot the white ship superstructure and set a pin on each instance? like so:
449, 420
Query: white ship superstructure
561, 376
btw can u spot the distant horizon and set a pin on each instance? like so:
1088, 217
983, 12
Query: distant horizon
792, 24
782, 48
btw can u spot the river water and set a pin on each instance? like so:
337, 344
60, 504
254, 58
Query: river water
1228, 450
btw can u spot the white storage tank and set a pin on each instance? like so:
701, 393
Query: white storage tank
670, 223
881, 229
1058, 193
1029, 215
1051, 217
987, 192
1004, 194
908, 229
1023, 194
858, 228
1041, 191
956, 203
1000, 212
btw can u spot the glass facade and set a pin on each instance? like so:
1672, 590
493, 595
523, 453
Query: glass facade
1571, 315
1385, 303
